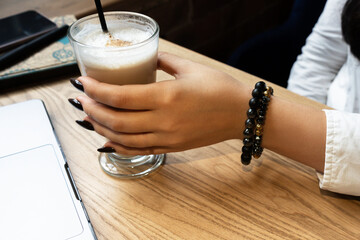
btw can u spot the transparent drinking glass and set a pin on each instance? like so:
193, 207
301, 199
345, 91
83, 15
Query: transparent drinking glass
132, 60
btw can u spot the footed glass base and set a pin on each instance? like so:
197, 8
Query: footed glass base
130, 166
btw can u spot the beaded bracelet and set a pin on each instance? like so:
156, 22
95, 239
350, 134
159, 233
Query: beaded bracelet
254, 124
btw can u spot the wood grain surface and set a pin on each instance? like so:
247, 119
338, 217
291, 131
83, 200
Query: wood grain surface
201, 193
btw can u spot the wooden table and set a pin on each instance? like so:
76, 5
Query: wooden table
201, 193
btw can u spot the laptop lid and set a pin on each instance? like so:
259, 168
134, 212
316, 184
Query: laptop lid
39, 199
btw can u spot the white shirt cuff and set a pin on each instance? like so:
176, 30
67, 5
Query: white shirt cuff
342, 156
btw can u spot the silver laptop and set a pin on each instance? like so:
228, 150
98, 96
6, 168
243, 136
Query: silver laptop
38, 196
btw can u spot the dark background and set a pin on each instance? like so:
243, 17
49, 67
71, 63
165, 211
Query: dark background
261, 37
211, 27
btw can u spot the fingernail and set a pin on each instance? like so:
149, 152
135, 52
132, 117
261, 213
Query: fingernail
106, 150
76, 103
76, 83
85, 124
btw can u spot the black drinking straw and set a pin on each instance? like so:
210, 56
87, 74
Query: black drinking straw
101, 15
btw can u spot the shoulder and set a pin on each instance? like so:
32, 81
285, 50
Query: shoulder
333, 9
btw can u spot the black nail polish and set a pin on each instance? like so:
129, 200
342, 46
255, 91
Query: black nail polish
85, 124
76, 83
106, 150
76, 103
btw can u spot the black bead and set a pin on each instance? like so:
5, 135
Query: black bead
256, 144
254, 103
258, 139
248, 142
262, 112
263, 107
260, 119
249, 123
245, 159
258, 150
271, 90
248, 132
251, 113
261, 86
247, 149
257, 93
265, 99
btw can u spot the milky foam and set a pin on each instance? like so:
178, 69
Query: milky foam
92, 34
98, 52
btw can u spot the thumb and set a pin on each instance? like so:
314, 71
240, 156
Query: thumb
172, 64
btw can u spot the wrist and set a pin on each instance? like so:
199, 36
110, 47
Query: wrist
243, 95
254, 124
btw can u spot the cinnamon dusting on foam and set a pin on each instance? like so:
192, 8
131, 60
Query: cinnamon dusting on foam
113, 42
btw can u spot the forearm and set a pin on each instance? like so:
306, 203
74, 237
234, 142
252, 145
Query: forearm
296, 131
293, 130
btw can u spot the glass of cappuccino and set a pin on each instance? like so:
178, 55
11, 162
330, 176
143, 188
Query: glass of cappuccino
126, 54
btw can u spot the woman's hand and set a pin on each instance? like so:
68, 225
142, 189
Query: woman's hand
201, 107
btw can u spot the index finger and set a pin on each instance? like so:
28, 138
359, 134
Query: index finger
173, 64
133, 97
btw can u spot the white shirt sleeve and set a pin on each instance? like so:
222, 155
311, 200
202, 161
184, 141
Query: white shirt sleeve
342, 157
322, 56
